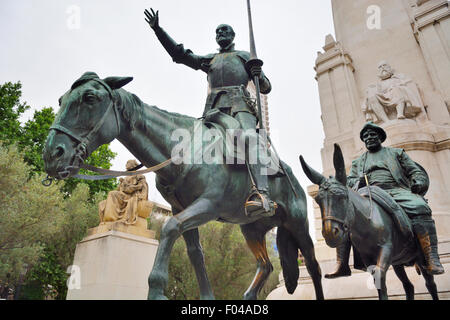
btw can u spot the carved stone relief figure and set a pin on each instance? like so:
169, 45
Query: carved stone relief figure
394, 96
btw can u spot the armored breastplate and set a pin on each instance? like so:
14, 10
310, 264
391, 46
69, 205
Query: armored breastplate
227, 69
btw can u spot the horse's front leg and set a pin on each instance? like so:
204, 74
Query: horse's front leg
198, 213
379, 272
195, 253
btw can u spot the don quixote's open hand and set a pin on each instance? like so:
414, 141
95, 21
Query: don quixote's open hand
152, 18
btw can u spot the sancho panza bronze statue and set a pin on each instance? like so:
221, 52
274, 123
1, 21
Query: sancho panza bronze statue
405, 181
228, 78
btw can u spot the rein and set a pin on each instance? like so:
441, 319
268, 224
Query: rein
83, 142
342, 222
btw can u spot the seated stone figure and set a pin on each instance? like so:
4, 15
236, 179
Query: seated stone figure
392, 170
394, 92
128, 202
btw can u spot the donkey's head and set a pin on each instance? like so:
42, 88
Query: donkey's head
332, 199
87, 118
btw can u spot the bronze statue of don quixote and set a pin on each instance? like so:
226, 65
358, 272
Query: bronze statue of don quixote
95, 111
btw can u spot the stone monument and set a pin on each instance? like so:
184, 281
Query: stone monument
116, 257
412, 106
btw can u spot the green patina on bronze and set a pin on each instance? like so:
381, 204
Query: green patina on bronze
229, 72
198, 193
388, 222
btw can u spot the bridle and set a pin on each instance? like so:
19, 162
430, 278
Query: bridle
81, 149
344, 224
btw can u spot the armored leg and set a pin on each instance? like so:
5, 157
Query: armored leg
425, 231
258, 203
342, 257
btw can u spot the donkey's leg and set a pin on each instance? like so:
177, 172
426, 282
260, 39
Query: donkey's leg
407, 285
195, 253
256, 241
429, 283
196, 214
300, 232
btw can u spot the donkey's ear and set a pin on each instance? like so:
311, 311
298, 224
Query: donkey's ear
117, 82
339, 165
312, 174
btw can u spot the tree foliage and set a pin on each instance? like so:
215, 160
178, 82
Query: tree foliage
39, 228
31, 137
10, 111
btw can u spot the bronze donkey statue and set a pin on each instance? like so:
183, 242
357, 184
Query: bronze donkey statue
372, 231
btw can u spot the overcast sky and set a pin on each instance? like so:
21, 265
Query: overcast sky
47, 44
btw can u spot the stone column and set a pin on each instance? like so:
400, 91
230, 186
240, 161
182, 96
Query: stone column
339, 100
432, 30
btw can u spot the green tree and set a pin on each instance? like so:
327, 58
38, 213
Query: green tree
31, 138
10, 111
229, 262
24, 218
39, 236
40, 226
78, 214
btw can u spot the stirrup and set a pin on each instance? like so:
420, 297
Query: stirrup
263, 206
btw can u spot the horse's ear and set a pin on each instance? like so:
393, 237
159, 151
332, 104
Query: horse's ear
339, 165
312, 174
117, 82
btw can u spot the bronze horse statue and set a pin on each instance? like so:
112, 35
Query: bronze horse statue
97, 111
372, 232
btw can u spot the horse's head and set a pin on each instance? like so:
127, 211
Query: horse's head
88, 117
332, 199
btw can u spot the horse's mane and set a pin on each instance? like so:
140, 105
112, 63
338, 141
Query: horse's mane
133, 108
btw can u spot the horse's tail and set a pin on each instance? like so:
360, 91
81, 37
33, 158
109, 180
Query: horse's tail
288, 250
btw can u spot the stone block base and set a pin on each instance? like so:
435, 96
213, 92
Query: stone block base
113, 265
138, 229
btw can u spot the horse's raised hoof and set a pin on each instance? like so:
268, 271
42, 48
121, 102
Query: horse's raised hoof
341, 272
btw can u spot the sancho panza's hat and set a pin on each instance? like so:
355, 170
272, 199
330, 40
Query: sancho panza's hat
373, 126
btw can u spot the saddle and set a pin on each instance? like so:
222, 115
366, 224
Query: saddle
221, 122
384, 200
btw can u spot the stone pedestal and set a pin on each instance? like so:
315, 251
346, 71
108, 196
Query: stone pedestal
113, 265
